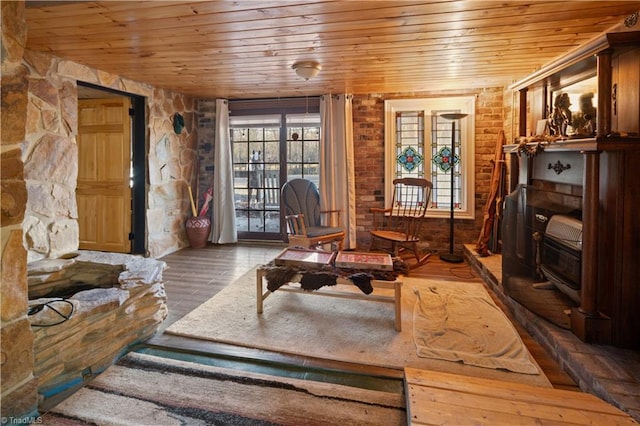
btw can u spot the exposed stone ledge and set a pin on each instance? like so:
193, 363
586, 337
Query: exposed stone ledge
125, 307
91, 267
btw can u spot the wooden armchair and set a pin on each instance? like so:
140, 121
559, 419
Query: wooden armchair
301, 202
396, 229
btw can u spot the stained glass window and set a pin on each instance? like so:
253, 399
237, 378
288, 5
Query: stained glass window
442, 162
409, 150
418, 143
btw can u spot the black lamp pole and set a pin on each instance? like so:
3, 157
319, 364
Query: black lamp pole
451, 257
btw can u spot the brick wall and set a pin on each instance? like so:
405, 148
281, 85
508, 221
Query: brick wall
368, 129
206, 135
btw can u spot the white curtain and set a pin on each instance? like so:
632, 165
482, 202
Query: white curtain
337, 176
223, 214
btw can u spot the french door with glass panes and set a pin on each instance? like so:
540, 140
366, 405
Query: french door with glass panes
269, 150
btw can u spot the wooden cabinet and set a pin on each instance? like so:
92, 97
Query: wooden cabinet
618, 242
609, 310
625, 113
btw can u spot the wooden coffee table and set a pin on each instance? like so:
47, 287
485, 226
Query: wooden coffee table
394, 299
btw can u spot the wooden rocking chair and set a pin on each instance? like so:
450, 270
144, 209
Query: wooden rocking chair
398, 226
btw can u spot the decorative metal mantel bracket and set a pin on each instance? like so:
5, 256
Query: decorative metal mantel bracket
559, 167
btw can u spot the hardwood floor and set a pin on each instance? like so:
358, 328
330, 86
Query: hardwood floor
195, 275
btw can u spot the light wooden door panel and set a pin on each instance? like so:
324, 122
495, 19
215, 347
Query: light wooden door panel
112, 234
114, 148
104, 192
87, 220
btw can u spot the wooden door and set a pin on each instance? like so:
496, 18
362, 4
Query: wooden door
104, 193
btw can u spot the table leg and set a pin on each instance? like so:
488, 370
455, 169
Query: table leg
398, 304
259, 298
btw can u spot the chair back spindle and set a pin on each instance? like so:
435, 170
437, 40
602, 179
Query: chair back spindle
399, 224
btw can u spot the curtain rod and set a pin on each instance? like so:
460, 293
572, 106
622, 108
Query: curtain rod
292, 98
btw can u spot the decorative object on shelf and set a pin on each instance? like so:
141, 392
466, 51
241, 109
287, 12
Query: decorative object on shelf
559, 167
631, 20
528, 148
178, 123
306, 69
561, 118
452, 257
584, 122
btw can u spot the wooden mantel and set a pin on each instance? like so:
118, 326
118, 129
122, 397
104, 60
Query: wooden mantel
606, 176
582, 145
609, 311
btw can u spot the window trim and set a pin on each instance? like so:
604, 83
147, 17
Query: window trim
465, 104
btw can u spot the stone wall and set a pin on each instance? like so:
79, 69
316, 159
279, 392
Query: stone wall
51, 158
172, 168
125, 307
368, 135
19, 386
38, 177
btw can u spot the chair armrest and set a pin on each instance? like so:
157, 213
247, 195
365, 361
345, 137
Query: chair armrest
379, 210
331, 217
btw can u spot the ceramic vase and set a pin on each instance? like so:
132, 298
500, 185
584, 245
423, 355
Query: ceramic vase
198, 228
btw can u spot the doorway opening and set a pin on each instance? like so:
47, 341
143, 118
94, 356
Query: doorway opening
111, 189
270, 147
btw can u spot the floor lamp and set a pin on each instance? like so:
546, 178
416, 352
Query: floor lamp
451, 257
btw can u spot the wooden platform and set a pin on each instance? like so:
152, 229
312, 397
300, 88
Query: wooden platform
443, 398
195, 275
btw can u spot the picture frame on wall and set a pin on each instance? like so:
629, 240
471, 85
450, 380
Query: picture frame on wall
542, 128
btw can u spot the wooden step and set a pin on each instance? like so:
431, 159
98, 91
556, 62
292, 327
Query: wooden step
444, 398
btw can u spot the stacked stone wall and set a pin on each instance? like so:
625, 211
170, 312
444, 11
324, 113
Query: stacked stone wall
173, 168
50, 156
18, 385
126, 307
39, 166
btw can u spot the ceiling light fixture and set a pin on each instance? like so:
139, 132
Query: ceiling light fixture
306, 69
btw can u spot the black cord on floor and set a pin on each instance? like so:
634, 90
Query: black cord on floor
40, 307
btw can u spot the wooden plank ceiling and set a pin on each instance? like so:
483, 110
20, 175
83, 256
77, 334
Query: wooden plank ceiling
245, 48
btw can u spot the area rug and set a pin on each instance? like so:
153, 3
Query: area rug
463, 324
148, 390
347, 330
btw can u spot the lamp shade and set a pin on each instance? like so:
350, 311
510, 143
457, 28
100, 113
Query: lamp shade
454, 116
306, 69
